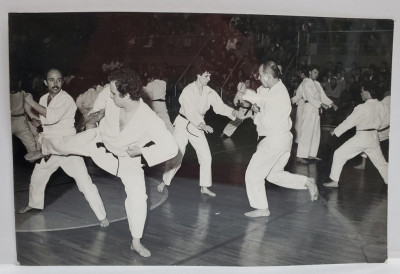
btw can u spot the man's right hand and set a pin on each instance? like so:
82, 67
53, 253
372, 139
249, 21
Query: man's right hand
205, 128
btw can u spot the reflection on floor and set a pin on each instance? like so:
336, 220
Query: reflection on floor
346, 225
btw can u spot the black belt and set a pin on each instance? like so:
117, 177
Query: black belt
383, 129
187, 126
248, 109
17, 115
158, 100
260, 138
368, 129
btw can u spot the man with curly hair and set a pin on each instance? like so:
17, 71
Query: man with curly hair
129, 133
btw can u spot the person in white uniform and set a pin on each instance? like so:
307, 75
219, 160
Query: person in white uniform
19, 122
299, 101
131, 133
196, 99
367, 118
383, 133
57, 112
244, 108
273, 125
156, 89
310, 133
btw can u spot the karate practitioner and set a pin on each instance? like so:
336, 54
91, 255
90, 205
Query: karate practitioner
19, 122
383, 132
274, 143
243, 106
156, 90
196, 99
310, 133
367, 118
127, 129
57, 111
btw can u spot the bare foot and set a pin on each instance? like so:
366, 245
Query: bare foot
312, 188
105, 222
258, 213
332, 184
161, 187
139, 248
205, 190
25, 209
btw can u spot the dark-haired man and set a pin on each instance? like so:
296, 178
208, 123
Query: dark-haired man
274, 143
127, 128
57, 115
310, 132
196, 99
367, 118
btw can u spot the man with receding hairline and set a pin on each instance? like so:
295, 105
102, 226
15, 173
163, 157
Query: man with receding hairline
57, 115
274, 143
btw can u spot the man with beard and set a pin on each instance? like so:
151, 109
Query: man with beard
56, 112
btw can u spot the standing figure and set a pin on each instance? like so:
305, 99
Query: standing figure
310, 133
196, 99
129, 135
367, 118
274, 143
56, 112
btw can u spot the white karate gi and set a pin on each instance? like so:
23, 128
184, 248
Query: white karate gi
59, 121
194, 105
310, 133
384, 129
145, 126
273, 152
365, 116
156, 90
299, 101
244, 109
19, 124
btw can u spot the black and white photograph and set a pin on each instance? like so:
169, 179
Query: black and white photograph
239, 139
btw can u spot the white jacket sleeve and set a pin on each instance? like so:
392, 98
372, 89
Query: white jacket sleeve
298, 96
219, 106
164, 147
351, 121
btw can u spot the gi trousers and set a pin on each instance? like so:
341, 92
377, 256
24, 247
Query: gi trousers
363, 141
310, 133
21, 129
268, 162
185, 132
73, 166
128, 169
